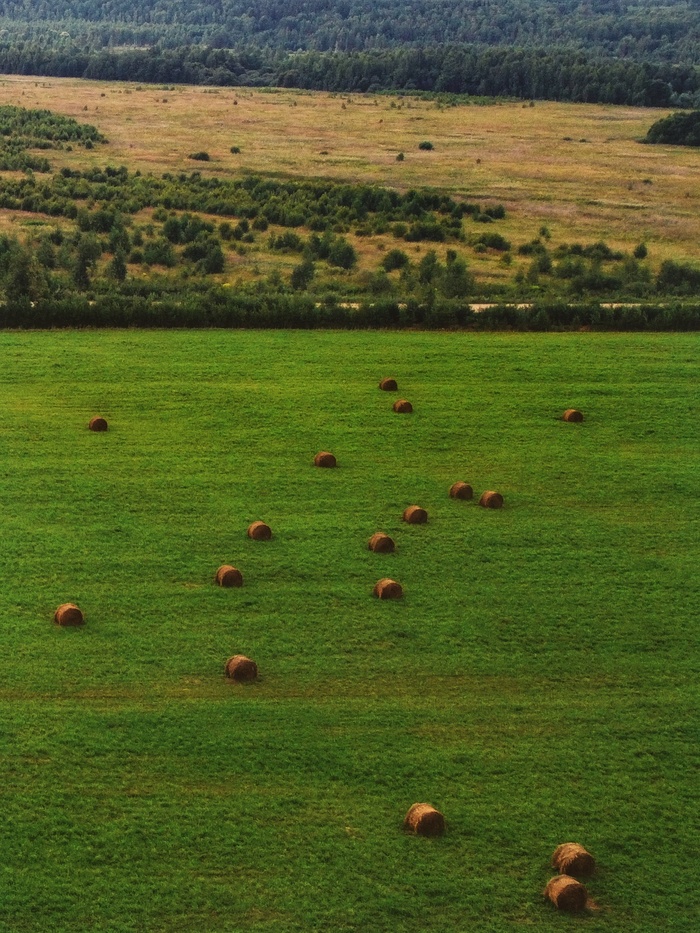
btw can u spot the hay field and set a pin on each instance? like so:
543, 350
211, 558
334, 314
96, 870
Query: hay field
577, 169
537, 683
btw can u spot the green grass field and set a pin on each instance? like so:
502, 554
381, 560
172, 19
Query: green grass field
538, 682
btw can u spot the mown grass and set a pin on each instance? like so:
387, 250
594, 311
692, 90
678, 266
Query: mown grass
538, 683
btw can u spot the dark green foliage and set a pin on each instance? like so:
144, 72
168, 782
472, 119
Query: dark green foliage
302, 275
342, 254
287, 241
159, 252
394, 259
236, 150
201, 156
678, 129
493, 241
641, 251
678, 278
426, 145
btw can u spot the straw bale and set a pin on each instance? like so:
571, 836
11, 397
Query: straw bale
570, 858
68, 614
491, 500
402, 406
259, 531
241, 669
572, 414
415, 515
425, 820
97, 424
324, 459
387, 589
566, 893
388, 385
227, 575
381, 543
461, 490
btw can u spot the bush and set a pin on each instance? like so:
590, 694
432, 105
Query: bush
200, 156
425, 145
679, 129
394, 259
494, 241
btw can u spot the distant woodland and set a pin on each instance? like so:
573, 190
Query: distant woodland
609, 51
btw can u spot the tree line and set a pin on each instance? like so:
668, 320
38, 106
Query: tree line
527, 73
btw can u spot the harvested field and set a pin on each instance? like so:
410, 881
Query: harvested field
537, 683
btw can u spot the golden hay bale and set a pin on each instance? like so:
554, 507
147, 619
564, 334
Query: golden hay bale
566, 893
381, 543
570, 858
97, 424
259, 531
403, 406
425, 820
491, 500
227, 575
68, 614
388, 385
572, 414
415, 515
387, 589
241, 669
324, 459
461, 490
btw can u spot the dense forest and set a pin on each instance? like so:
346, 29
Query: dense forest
634, 52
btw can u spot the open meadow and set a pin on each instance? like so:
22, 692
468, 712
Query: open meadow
537, 683
576, 170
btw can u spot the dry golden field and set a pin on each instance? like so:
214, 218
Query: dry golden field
578, 169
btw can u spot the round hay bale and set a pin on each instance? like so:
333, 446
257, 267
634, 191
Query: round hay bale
324, 459
227, 575
491, 500
572, 414
415, 515
68, 614
388, 385
381, 543
259, 531
241, 669
402, 406
570, 858
461, 490
387, 589
97, 424
566, 893
425, 820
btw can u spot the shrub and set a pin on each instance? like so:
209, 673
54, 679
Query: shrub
426, 145
200, 156
394, 259
494, 241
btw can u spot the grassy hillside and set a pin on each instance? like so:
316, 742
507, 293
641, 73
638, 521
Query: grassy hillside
537, 683
567, 176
